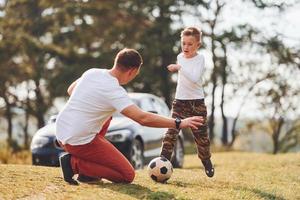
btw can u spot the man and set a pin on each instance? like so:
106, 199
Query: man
82, 124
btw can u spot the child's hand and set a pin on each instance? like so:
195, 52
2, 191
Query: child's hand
173, 67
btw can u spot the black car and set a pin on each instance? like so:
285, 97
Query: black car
139, 144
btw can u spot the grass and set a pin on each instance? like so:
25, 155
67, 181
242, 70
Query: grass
238, 176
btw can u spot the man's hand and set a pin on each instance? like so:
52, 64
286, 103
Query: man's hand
192, 122
173, 67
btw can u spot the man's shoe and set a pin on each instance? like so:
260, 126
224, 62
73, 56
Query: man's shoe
87, 179
65, 164
209, 169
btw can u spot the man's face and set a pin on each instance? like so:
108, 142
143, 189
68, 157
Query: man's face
131, 74
189, 46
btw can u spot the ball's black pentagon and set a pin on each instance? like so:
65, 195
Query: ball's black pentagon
154, 177
163, 170
163, 159
152, 165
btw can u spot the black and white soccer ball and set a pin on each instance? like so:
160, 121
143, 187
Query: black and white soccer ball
160, 169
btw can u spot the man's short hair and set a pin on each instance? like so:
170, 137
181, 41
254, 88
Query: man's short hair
127, 59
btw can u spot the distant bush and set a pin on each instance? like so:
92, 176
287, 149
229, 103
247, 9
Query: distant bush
9, 156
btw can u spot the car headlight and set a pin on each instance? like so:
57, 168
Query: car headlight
39, 141
117, 136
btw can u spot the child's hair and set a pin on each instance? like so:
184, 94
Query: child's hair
127, 59
192, 31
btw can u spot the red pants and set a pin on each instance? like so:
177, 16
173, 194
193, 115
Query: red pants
100, 159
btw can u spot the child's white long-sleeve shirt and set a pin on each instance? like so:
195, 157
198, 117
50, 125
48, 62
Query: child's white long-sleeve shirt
189, 83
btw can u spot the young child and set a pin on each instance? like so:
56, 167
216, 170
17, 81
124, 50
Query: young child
189, 97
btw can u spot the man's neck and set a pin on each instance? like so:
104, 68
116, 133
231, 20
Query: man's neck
116, 73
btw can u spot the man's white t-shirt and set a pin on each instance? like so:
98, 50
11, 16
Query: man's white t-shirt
96, 96
189, 84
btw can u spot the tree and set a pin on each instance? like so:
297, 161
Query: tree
49, 44
56, 39
220, 40
279, 99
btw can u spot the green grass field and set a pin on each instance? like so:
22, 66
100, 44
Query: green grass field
238, 176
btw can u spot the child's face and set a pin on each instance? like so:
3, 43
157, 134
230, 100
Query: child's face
189, 46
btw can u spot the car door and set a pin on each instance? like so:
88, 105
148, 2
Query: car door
152, 136
162, 109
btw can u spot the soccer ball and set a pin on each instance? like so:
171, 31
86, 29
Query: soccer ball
160, 169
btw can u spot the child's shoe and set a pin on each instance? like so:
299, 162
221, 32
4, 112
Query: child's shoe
209, 169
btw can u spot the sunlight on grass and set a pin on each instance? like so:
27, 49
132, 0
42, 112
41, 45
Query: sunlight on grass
238, 176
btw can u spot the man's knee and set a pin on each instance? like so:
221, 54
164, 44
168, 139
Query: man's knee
129, 176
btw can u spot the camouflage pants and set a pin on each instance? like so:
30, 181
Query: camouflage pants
183, 109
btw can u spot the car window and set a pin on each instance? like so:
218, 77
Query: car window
146, 104
161, 107
135, 101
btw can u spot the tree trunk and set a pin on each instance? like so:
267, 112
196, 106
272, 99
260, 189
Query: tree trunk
164, 21
166, 84
224, 127
211, 121
275, 136
8, 116
224, 82
233, 134
40, 107
25, 128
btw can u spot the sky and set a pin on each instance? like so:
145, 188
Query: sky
286, 23
269, 20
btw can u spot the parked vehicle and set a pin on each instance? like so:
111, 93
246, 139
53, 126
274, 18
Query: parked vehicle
139, 144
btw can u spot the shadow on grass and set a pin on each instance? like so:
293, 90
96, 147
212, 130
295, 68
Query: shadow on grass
138, 191
200, 166
261, 193
183, 184
194, 167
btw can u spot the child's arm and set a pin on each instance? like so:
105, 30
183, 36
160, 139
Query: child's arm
173, 67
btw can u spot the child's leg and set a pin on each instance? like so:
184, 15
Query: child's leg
171, 135
201, 135
202, 139
169, 142
102, 160
203, 143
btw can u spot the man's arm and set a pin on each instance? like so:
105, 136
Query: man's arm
158, 121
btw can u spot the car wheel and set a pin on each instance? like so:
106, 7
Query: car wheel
33, 160
178, 154
137, 154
